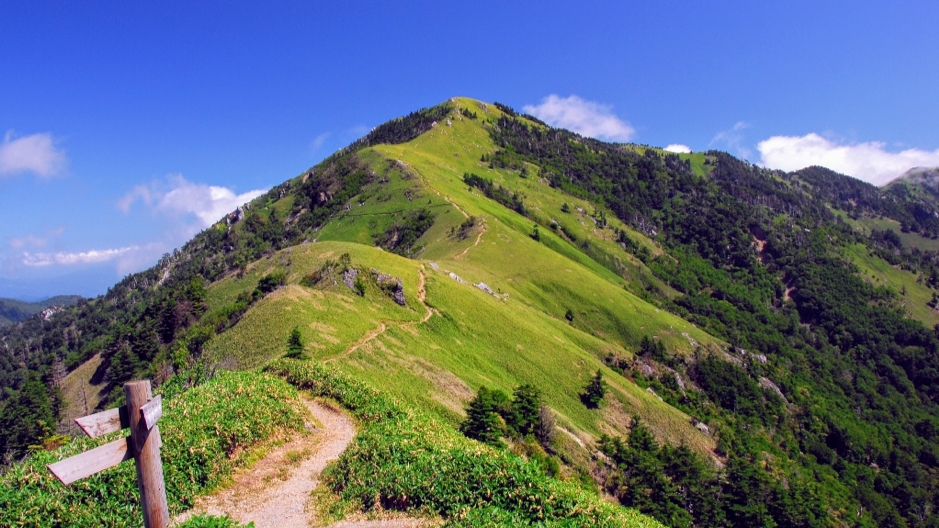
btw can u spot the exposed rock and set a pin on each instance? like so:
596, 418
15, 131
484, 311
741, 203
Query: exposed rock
393, 285
652, 392
703, 428
482, 286
761, 358
435, 266
348, 278
50, 311
769, 385
456, 277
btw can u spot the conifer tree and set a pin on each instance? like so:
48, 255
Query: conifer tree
295, 344
594, 392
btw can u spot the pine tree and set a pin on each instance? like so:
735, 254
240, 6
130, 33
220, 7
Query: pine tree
295, 344
483, 422
594, 392
526, 409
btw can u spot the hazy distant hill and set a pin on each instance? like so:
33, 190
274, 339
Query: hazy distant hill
14, 311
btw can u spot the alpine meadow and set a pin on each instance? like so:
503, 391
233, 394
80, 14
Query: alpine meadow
528, 327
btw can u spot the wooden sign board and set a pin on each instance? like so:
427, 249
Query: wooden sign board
104, 422
143, 445
91, 462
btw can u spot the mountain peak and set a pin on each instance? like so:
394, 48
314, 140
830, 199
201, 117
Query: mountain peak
924, 176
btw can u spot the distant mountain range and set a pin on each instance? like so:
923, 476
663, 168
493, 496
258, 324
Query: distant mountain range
13, 311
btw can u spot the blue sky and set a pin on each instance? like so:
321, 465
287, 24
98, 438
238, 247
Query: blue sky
127, 127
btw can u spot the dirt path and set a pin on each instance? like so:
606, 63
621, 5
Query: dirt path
377, 331
381, 328
458, 208
422, 296
275, 493
479, 238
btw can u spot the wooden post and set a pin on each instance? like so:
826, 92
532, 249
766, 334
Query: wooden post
145, 443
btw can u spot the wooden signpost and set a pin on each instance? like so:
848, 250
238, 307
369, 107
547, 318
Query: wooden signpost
140, 414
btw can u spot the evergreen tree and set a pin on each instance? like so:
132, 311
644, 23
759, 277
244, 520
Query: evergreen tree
27, 417
295, 344
526, 409
594, 392
483, 422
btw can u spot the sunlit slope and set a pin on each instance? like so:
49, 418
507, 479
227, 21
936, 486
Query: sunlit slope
435, 354
453, 337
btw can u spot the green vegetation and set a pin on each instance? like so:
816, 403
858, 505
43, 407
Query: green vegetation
198, 454
295, 344
441, 472
594, 391
13, 311
758, 318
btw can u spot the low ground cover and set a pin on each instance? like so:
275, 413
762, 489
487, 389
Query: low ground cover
207, 432
405, 461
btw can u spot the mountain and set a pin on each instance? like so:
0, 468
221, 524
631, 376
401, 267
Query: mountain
14, 311
926, 177
766, 340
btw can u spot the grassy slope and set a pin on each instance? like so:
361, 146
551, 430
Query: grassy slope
474, 338
881, 273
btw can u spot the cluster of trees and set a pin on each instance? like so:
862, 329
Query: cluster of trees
492, 414
512, 200
677, 487
402, 236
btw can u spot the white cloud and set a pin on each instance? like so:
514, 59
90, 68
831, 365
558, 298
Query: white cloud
587, 118
180, 198
36, 153
128, 259
870, 161
33, 240
318, 141
678, 148
67, 259
732, 139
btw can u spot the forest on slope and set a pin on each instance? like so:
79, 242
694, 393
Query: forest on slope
824, 403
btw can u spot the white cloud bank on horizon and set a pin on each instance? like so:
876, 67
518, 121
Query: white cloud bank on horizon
129, 259
182, 198
869, 161
36, 153
678, 148
587, 118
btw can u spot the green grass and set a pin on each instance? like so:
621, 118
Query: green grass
473, 339
206, 432
406, 461
879, 272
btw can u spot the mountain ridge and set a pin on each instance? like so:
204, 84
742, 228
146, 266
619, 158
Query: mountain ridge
760, 318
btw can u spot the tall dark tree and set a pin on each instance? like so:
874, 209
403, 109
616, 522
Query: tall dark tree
526, 409
483, 421
295, 344
594, 392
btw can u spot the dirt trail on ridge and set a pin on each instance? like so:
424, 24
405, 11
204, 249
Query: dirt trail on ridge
275, 492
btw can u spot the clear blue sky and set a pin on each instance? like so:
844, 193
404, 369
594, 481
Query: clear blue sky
127, 126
